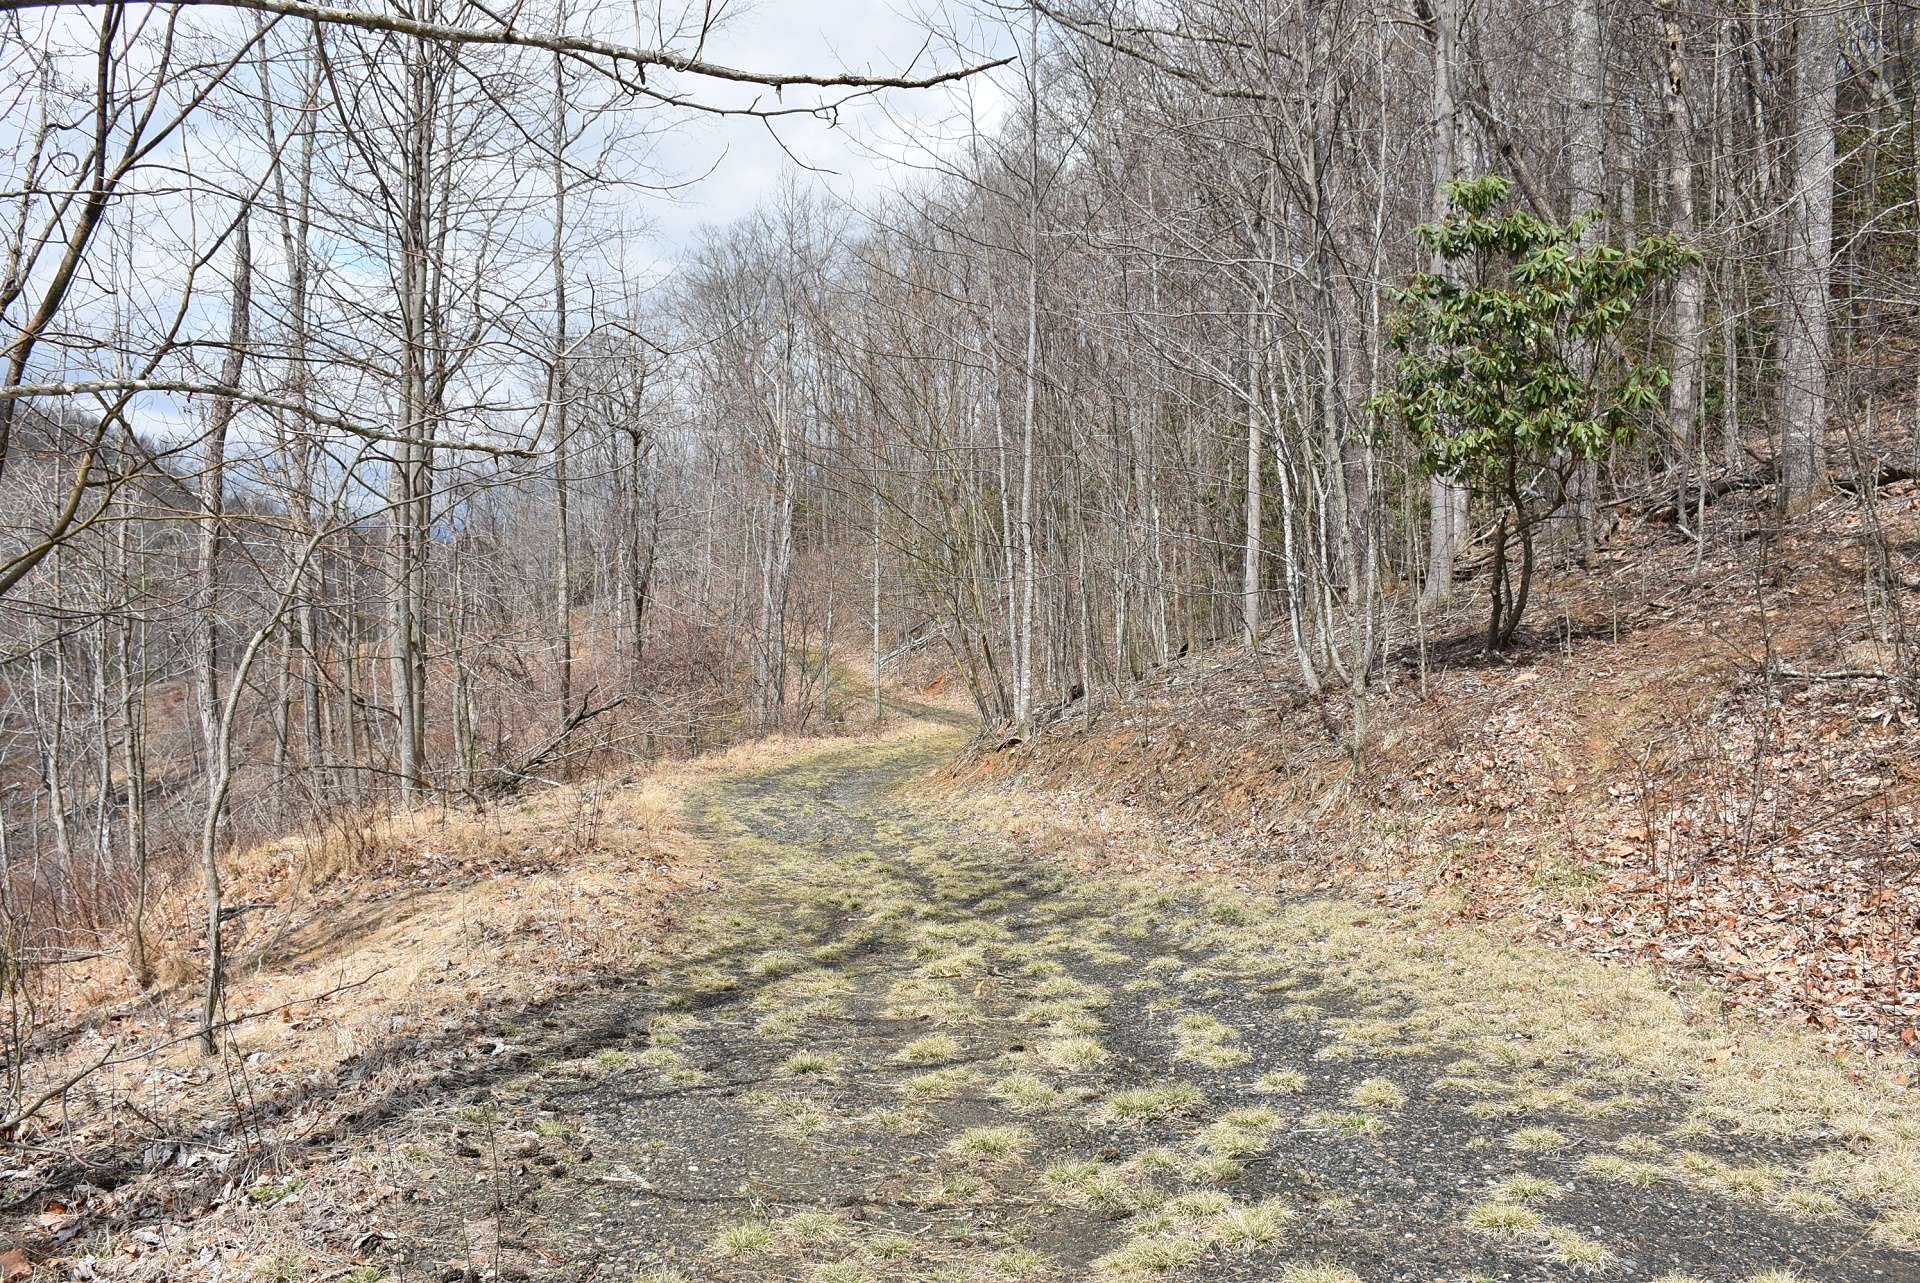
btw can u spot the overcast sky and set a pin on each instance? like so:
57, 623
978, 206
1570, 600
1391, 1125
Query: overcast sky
862, 154
728, 165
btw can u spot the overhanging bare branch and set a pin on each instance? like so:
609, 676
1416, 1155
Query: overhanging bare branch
565, 44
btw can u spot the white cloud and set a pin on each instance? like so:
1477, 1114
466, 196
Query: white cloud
872, 145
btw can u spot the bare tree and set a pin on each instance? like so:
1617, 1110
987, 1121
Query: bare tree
1807, 278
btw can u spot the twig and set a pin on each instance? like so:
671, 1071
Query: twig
529, 764
1837, 674
108, 1060
21, 1115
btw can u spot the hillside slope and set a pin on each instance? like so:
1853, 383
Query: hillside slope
1713, 765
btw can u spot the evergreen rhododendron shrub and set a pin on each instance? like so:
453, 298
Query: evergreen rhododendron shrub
1508, 373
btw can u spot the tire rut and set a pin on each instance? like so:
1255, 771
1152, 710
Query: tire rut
898, 1048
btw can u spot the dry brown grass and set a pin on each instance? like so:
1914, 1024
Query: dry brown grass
1481, 990
429, 916
1626, 783
381, 961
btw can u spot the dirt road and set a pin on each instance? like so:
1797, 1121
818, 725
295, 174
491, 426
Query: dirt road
895, 1047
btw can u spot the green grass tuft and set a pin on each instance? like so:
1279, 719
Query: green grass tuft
1247, 1227
743, 1239
1377, 1093
1526, 1189
1536, 1140
1504, 1220
1280, 1082
930, 1050
1072, 1053
1027, 1093
1160, 1100
991, 1144
807, 1063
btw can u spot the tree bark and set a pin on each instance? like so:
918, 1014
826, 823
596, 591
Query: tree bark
563, 571
1030, 377
1587, 176
1683, 392
1446, 501
1808, 279
215, 726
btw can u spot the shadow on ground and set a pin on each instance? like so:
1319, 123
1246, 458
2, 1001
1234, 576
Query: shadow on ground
900, 1049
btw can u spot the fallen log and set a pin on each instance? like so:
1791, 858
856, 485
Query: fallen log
506, 777
1670, 512
1884, 472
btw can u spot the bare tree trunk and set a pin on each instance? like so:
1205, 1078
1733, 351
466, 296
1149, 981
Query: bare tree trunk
777, 558
134, 763
1250, 549
1726, 34
826, 664
220, 779
102, 748
464, 750
51, 720
1587, 175
296, 224
1009, 536
1683, 392
1030, 376
133, 668
1808, 281
408, 499
879, 703
563, 573
1446, 501
216, 728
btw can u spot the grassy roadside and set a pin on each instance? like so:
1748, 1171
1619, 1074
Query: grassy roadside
1523, 1025
874, 1029
1712, 762
370, 969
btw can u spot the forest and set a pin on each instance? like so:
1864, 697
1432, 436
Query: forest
1187, 392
